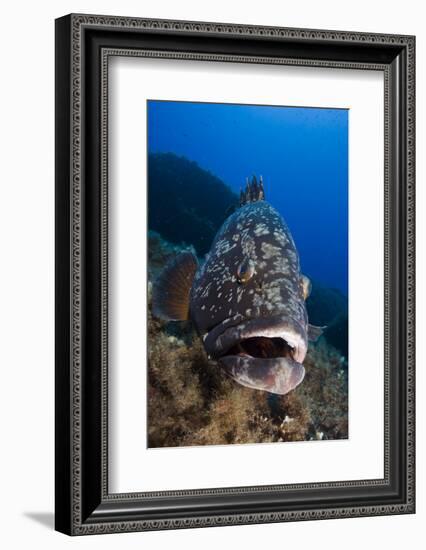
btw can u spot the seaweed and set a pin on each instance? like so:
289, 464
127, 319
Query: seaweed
191, 401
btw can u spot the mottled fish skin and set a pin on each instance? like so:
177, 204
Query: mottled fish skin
256, 232
247, 300
266, 300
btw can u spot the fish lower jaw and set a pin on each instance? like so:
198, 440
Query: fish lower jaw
268, 360
277, 375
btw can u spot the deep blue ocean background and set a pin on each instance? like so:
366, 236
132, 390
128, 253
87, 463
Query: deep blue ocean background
302, 154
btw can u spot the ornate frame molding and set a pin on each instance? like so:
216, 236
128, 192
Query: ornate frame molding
72, 46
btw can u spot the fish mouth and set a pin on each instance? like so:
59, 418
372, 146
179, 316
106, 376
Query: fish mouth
263, 354
262, 347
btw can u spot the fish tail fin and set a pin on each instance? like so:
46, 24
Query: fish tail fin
170, 298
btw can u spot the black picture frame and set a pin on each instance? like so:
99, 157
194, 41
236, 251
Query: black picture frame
83, 504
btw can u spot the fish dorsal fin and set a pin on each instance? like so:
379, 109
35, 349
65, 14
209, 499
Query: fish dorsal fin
253, 191
170, 298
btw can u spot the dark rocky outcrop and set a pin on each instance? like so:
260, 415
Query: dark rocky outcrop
329, 307
186, 204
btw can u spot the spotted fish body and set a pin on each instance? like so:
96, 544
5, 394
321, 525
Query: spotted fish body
247, 300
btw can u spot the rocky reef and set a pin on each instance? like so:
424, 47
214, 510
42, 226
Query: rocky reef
329, 307
177, 210
192, 402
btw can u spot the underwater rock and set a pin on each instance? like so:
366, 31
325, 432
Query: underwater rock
329, 307
191, 401
186, 204
337, 335
160, 252
325, 304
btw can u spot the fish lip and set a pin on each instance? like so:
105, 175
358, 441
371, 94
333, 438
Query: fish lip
223, 337
278, 375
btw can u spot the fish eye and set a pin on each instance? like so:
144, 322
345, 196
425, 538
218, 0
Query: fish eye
245, 271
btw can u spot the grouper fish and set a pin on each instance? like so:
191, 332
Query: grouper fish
247, 299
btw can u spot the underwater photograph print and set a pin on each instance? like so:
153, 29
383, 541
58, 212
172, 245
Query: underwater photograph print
247, 274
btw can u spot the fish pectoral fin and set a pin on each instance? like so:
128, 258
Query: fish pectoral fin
306, 286
170, 298
315, 332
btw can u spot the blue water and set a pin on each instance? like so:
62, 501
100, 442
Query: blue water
302, 154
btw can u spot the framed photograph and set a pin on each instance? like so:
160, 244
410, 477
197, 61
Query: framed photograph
234, 274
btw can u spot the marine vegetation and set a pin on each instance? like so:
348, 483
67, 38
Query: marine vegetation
191, 400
